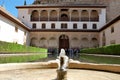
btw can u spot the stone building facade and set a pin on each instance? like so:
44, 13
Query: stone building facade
67, 23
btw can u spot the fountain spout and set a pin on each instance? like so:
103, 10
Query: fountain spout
63, 62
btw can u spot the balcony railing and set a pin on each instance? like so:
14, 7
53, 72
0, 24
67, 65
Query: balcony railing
64, 19
44, 19
34, 19
53, 19
94, 19
84, 19
74, 19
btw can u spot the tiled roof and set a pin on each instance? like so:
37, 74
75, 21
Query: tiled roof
62, 5
110, 23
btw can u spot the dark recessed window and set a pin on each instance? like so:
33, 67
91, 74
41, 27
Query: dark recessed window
25, 33
75, 26
112, 29
84, 26
103, 33
63, 26
53, 26
23, 17
34, 26
64, 9
94, 26
43, 26
16, 29
112, 42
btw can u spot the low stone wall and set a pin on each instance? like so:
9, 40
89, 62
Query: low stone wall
72, 65
103, 67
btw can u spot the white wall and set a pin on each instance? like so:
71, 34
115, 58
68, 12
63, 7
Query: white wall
115, 36
8, 33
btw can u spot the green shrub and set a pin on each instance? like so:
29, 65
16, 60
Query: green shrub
13, 48
23, 58
112, 50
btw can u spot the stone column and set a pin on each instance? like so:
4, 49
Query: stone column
58, 14
80, 15
49, 15
70, 14
89, 13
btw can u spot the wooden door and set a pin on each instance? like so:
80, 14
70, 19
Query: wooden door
63, 42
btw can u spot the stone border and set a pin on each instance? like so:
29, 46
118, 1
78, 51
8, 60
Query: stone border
53, 64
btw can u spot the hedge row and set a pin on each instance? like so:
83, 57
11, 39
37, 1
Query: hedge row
12, 47
22, 58
110, 50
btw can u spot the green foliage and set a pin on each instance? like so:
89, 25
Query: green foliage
13, 48
23, 58
100, 59
111, 50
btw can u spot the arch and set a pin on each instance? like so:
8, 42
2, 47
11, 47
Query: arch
35, 15
43, 42
53, 15
84, 15
94, 42
75, 42
64, 42
44, 15
75, 15
52, 42
85, 42
94, 15
64, 17
33, 42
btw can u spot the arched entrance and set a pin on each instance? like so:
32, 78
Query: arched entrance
63, 42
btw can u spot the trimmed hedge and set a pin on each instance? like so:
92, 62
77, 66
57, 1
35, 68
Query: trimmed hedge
110, 50
6, 47
22, 58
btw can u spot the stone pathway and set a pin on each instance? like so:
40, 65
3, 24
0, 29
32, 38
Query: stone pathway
50, 74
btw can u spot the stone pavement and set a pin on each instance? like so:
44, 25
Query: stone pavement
50, 74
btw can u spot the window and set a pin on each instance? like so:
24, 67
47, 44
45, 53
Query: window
84, 15
112, 29
35, 15
53, 26
16, 29
75, 26
94, 26
34, 26
112, 42
84, 26
23, 17
94, 15
25, 33
63, 26
103, 33
43, 26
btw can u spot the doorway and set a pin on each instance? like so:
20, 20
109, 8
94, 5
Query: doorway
64, 42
